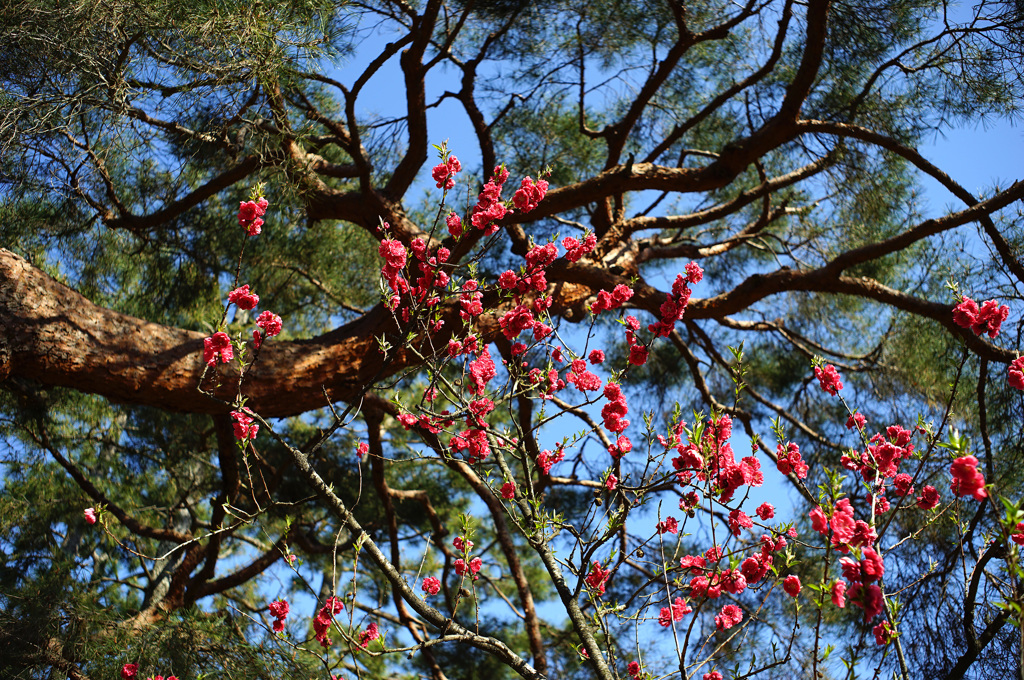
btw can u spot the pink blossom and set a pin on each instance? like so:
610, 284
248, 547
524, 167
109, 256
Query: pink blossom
508, 490
987, 319
546, 460
444, 173
730, 616
574, 250
362, 449
431, 585
1018, 537
868, 598
883, 634
765, 511
1015, 373
856, 419
966, 478
515, 321
872, 568
481, 371
739, 520
217, 347
324, 618
508, 280
130, 671
615, 409
839, 594
597, 356
597, 577
696, 563
611, 482
638, 355
530, 193
270, 323
369, 635
829, 378
90, 515
791, 584
713, 675
244, 427
676, 612
928, 499
243, 298
249, 214
454, 224
903, 484
489, 207
279, 609
669, 525
633, 670
789, 461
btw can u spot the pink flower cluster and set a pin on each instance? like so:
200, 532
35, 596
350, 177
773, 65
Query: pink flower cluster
243, 298
218, 347
575, 250
860, 574
431, 585
730, 616
883, 633
529, 194
489, 207
546, 459
582, 378
369, 635
597, 578
847, 534
788, 461
674, 306
967, 481
669, 525
606, 301
882, 458
738, 521
638, 352
472, 568
676, 612
444, 173
473, 442
829, 378
1015, 373
986, 319
856, 420
279, 610
1018, 536
721, 465
250, 214
508, 490
847, 531
271, 325
324, 618
614, 411
245, 428
130, 671
90, 516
